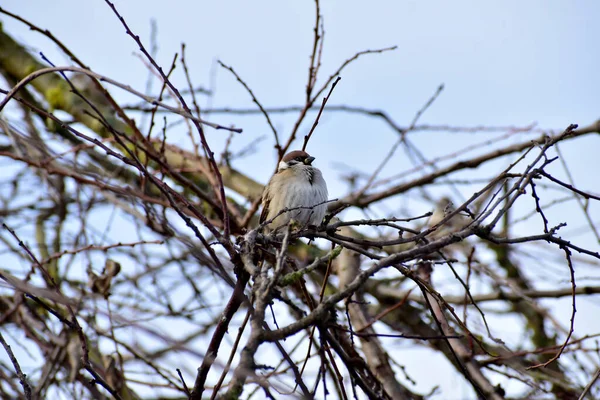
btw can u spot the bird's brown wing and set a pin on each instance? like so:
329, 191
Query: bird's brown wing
266, 200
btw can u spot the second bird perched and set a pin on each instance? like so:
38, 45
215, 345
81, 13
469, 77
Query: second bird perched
295, 184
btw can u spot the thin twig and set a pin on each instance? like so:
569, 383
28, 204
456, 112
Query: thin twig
400, 140
258, 104
307, 137
22, 377
589, 386
43, 71
573, 311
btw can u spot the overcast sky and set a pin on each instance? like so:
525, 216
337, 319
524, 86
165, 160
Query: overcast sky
509, 62
502, 63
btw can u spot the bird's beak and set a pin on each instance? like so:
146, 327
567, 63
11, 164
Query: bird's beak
309, 160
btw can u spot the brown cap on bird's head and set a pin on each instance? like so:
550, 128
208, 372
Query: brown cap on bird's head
298, 155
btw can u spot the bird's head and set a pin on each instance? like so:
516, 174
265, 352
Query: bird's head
295, 158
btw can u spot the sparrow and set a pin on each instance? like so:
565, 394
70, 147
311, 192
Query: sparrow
443, 208
295, 184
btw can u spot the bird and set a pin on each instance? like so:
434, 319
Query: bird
443, 208
295, 184
460, 220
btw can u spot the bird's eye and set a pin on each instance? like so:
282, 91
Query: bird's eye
299, 158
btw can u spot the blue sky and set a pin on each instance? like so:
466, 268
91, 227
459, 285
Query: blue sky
502, 63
